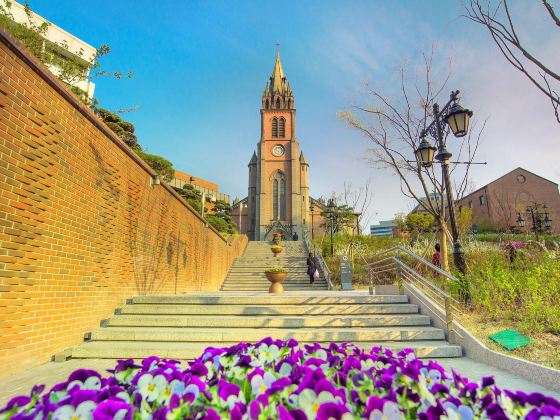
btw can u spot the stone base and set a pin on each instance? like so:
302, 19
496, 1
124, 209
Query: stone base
276, 288
387, 289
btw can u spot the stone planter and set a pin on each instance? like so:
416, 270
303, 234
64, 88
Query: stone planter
276, 250
276, 279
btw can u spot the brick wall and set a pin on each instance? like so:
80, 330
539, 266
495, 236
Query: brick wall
84, 223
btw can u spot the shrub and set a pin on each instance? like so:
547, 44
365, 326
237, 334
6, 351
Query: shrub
276, 270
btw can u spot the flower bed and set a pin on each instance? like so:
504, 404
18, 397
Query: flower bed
276, 379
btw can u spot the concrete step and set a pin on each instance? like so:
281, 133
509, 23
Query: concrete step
269, 310
189, 351
229, 321
263, 299
171, 334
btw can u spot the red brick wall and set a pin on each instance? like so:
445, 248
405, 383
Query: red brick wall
507, 196
82, 225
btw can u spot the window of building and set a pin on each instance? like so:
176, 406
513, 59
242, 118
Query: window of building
279, 197
482, 200
282, 129
277, 103
470, 204
267, 104
275, 127
521, 179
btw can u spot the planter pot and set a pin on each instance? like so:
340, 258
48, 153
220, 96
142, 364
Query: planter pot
387, 289
276, 251
276, 279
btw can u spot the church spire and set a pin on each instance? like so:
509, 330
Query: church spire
277, 80
278, 93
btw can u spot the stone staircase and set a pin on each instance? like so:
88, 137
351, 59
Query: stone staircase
247, 272
182, 326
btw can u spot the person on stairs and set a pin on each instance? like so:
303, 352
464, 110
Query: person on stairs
312, 267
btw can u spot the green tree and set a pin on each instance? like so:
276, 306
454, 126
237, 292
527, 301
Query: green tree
191, 196
122, 128
464, 220
160, 165
339, 218
221, 218
72, 68
419, 223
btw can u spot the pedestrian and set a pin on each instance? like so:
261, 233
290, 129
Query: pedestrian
312, 267
295, 236
436, 258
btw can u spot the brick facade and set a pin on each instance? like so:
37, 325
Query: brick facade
84, 223
499, 202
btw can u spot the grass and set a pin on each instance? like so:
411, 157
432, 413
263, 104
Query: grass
523, 294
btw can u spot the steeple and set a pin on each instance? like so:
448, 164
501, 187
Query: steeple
302, 159
253, 160
278, 80
278, 92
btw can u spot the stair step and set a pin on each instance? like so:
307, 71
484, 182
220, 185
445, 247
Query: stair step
251, 334
268, 321
188, 351
260, 299
252, 310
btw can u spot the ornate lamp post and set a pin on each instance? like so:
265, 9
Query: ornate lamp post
540, 220
312, 209
457, 119
331, 209
241, 207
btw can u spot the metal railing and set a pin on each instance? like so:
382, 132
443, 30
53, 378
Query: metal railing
401, 266
321, 264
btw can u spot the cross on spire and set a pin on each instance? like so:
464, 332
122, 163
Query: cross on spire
277, 46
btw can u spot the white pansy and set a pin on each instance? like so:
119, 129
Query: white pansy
260, 384
91, 383
151, 387
390, 412
84, 411
310, 402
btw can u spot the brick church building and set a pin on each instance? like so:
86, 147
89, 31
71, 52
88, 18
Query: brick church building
278, 195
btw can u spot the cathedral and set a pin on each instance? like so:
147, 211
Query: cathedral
278, 194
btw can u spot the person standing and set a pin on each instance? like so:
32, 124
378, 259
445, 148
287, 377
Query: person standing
311, 267
436, 258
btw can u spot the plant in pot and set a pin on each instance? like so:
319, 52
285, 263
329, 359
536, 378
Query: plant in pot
276, 276
276, 249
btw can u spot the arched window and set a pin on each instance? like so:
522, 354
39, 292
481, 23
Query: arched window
279, 197
275, 127
289, 103
282, 129
277, 103
267, 104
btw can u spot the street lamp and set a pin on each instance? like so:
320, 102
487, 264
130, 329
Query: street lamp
457, 119
540, 220
312, 209
331, 208
241, 207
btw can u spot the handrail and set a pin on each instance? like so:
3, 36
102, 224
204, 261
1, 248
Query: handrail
322, 265
389, 262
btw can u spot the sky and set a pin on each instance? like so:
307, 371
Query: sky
200, 68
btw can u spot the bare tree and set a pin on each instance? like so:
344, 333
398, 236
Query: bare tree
359, 199
393, 125
496, 17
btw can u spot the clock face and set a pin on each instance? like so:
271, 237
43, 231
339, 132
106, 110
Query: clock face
278, 150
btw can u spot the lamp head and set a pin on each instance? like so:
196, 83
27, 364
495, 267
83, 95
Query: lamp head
425, 153
458, 120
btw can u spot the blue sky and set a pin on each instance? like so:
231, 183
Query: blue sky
200, 68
